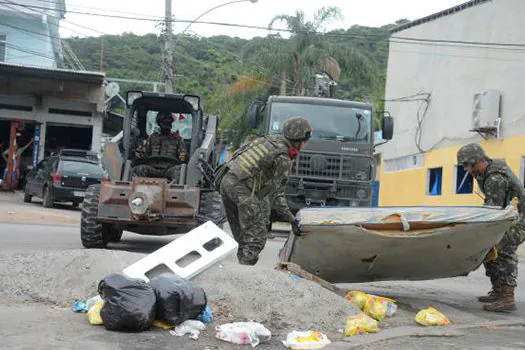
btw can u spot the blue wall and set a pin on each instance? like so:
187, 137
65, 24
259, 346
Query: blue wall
28, 41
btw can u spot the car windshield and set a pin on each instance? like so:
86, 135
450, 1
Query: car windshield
328, 122
181, 122
78, 167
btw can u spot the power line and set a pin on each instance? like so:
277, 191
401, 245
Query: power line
463, 42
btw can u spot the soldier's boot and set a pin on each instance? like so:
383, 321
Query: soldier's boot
504, 302
493, 295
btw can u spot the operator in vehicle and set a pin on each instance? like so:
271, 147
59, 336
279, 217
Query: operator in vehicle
499, 185
166, 144
254, 175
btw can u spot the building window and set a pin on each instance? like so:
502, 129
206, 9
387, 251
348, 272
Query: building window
435, 176
468, 182
3, 44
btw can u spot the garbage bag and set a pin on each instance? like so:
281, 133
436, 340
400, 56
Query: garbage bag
306, 340
432, 317
357, 298
360, 324
178, 299
129, 303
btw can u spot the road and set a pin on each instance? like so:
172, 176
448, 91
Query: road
454, 296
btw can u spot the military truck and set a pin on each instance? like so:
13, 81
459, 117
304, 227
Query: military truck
337, 167
147, 205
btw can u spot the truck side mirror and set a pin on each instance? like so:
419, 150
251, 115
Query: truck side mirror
253, 116
387, 127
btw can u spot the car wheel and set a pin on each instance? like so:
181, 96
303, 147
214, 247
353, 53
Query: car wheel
93, 233
27, 197
48, 200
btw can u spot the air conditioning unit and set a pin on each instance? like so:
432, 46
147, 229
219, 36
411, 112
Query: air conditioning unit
485, 110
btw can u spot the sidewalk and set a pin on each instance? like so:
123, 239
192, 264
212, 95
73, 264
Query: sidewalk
14, 210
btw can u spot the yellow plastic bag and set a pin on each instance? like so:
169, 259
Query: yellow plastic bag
297, 340
391, 306
375, 309
357, 298
360, 324
432, 317
162, 325
93, 313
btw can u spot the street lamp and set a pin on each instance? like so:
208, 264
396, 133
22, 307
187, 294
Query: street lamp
210, 10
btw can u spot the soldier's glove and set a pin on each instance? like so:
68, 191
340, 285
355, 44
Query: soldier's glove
296, 229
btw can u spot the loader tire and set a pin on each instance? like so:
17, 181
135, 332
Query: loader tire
93, 234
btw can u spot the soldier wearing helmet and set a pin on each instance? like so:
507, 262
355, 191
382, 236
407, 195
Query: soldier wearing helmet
163, 143
499, 185
255, 174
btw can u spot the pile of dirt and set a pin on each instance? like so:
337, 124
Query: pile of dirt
235, 293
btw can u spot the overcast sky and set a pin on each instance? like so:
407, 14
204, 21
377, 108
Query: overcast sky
362, 12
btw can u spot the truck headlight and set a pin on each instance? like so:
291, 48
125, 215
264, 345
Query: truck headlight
138, 203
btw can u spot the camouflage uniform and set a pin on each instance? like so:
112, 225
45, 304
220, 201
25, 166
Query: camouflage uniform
249, 180
499, 185
161, 144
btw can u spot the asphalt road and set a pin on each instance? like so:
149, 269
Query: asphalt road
454, 296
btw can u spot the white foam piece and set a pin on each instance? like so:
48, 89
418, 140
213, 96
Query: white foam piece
192, 241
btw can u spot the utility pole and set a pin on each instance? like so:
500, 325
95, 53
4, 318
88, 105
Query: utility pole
169, 65
101, 53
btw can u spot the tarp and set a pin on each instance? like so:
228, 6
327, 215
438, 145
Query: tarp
395, 243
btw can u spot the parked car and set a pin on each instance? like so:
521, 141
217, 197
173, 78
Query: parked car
63, 177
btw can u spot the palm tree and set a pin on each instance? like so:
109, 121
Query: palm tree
297, 59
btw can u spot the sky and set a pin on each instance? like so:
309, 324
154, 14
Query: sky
373, 13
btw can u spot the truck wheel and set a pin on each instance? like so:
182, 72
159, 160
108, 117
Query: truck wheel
115, 235
47, 198
93, 234
211, 209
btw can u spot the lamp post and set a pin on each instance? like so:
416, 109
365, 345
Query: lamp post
169, 62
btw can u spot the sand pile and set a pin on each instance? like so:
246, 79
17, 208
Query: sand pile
235, 292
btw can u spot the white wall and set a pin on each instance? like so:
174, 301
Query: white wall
454, 73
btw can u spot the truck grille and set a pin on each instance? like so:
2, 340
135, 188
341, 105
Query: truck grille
341, 167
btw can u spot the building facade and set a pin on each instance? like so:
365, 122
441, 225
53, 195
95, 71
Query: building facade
453, 77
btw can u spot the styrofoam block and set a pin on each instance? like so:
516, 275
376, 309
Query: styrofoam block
182, 246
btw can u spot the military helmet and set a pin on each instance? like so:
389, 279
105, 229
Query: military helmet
470, 154
164, 119
297, 129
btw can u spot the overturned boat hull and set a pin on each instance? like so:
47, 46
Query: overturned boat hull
346, 245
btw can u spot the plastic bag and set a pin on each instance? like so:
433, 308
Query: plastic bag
93, 314
178, 299
306, 340
252, 333
206, 316
375, 309
432, 317
91, 301
360, 324
193, 327
357, 298
391, 306
129, 303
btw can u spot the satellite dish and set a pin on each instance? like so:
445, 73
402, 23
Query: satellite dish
112, 89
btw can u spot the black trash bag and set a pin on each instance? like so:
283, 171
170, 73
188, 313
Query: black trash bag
178, 299
129, 303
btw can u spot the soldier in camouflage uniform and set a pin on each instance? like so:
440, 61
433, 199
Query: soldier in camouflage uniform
164, 143
499, 185
253, 176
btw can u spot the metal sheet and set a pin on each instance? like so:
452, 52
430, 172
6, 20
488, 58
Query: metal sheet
440, 242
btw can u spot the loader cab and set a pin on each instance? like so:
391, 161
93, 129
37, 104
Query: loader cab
142, 109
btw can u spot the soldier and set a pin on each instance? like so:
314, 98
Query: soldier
499, 185
164, 143
251, 177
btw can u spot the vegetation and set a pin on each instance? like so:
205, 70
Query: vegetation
230, 73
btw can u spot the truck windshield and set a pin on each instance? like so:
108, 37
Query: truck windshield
328, 122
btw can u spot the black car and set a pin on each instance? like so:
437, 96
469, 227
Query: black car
63, 178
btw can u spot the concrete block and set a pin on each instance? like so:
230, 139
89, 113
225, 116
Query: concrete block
186, 256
